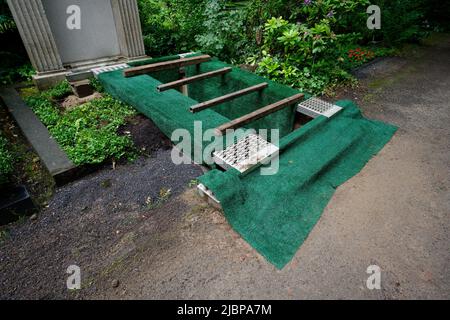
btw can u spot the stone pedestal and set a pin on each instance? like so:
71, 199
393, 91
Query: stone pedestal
42, 48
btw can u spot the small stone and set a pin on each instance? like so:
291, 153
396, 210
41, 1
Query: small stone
115, 283
33, 217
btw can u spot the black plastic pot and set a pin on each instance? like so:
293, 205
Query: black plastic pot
14, 203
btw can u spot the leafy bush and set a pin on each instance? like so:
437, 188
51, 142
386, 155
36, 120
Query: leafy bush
6, 21
437, 13
223, 34
96, 84
14, 64
170, 26
221, 28
401, 21
6, 160
57, 92
318, 46
13, 74
87, 133
308, 48
6, 24
309, 58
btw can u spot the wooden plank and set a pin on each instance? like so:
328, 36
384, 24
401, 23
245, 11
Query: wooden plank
260, 113
185, 81
182, 75
227, 97
165, 65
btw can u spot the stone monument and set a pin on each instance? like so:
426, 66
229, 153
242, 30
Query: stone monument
69, 37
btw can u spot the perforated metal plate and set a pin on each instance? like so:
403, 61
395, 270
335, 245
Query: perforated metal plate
246, 153
184, 55
97, 71
315, 107
204, 191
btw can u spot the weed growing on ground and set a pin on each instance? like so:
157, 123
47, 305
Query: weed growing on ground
4, 235
193, 183
6, 160
163, 197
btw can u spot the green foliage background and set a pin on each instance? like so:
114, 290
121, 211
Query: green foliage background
302, 43
6, 160
238, 32
14, 64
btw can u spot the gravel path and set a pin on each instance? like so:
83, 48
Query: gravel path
84, 225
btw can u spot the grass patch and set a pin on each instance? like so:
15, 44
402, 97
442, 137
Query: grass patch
4, 235
87, 133
6, 160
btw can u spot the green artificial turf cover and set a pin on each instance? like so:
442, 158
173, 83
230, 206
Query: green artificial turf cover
274, 213
170, 109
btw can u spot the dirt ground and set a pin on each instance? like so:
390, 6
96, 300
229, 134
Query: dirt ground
394, 214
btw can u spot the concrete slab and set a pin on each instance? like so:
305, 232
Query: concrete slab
82, 88
54, 158
45, 81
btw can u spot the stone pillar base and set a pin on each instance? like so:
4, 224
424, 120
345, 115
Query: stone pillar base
46, 80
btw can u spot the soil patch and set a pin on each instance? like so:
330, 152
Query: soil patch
145, 134
73, 101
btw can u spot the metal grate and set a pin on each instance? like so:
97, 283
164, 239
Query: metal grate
184, 55
204, 191
246, 153
97, 71
315, 107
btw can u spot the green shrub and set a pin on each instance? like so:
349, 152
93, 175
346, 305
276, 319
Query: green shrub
437, 13
309, 58
170, 26
223, 31
308, 49
11, 73
6, 160
96, 84
6, 21
87, 133
401, 21
14, 63
317, 46
59, 91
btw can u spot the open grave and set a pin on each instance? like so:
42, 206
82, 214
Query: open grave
273, 212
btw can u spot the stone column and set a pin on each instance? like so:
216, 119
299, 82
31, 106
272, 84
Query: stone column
129, 28
37, 37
